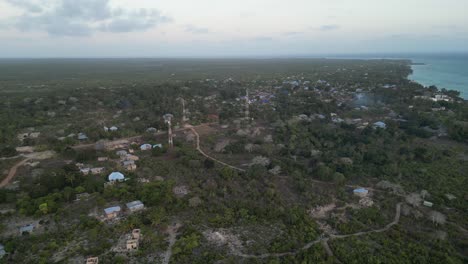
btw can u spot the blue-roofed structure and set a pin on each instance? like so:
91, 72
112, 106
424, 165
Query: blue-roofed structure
360, 191
112, 212
116, 176
27, 228
380, 124
146, 147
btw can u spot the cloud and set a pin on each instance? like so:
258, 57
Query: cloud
292, 33
27, 5
196, 30
84, 17
263, 39
328, 27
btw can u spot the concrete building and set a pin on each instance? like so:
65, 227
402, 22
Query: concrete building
135, 206
112, 212
361, 192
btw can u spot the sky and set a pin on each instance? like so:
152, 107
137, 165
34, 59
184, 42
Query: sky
229, 28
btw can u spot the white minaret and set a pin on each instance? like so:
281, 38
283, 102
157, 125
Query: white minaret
168, 120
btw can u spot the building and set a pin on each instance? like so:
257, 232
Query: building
380, 124
2, 251
180, 190
132, 157
121, 153
427, 204
103, 159
116, 176
85, 171
136, 234
112, 212
82, 196
92, 260
130, 167
361, 192
146, 147
27, 229
132, 244
97, 170
113, 128
158, 146
82, 136
135, 206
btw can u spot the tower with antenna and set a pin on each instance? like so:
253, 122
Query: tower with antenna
184, 113
168, 121
247, 102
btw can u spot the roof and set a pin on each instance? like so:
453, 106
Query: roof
27, 228
111, 210
82, 136
380, 124
134, 204
361, 190
115, 176
146, 146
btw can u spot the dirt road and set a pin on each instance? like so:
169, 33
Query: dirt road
208, 156
36, 155
325, 240
172, 231
12, 172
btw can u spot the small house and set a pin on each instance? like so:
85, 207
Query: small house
116, 176
106, 129
82, 196
82, 136
130, 167
113, 128
135, 206
427, 204
92, 260
132, 157
146, 147
380, 124
180, 190
27, 229
2, 251
85, 171
158, 146
121, 153
132, 244
112, 212
136, 234
97, 170
361, 192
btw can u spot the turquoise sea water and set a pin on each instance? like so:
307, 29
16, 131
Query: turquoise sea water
443, 71
449, 71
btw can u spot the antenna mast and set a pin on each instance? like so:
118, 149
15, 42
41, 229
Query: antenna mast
168, 121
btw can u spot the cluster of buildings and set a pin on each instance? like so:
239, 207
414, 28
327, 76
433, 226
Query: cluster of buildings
86, 170
114, 212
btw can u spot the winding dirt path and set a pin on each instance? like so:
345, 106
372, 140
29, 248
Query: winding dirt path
12, 172
208, 156
324, 240
172, 231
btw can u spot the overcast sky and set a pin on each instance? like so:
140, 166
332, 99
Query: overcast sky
218, 28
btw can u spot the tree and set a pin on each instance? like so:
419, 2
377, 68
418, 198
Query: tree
338, 178
43, 208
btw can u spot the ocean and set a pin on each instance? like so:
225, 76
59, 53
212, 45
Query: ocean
444, 71
449, 71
